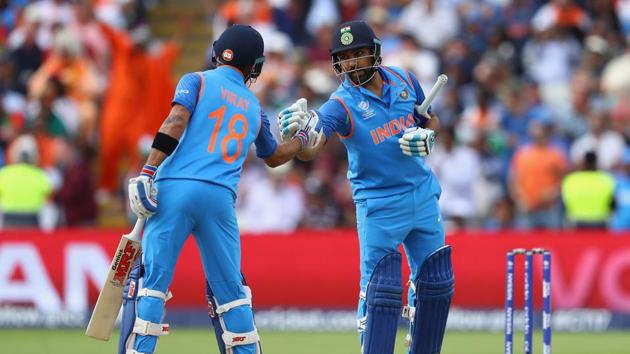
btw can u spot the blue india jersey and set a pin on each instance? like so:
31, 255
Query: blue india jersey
370, 126
226, 118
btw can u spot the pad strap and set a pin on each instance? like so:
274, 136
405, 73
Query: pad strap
232, 304
361, 323
409, 312
232, 339
131, 351
155, 293
149, 328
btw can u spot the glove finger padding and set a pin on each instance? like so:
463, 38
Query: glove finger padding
291, 120
417, 141
142, 196
290, 123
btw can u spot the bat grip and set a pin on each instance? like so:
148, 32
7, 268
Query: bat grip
137, 229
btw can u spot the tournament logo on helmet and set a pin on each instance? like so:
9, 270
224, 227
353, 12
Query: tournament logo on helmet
227, 55
346, 36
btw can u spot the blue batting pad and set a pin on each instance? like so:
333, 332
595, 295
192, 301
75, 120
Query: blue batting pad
434, 290
218, 331
384, 303
238, 319
130, 293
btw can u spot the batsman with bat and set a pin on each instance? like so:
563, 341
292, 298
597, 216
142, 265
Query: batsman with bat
188, 186
381, 115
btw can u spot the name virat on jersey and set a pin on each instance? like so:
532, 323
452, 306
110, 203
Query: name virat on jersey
233, 99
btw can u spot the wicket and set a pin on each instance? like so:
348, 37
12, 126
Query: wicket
528, 308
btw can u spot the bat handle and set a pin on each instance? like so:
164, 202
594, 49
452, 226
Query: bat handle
137, 229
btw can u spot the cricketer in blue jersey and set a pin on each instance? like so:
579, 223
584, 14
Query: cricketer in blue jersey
195, 164
395, 192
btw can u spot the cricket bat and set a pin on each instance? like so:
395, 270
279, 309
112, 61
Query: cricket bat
424, 106
110, 299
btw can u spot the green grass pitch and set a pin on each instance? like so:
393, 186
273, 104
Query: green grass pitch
184, 341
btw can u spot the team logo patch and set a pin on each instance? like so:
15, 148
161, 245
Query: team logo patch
227, 55
346, 36
404, 94
367, 111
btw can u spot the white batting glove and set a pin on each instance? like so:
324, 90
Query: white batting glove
142, 193
311, 133
417, 141
292, 119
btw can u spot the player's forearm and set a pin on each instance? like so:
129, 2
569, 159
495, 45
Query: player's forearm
311, 153
434, 123
173, 127
284, 152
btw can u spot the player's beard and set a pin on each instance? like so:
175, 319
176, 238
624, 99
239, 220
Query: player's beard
362, 76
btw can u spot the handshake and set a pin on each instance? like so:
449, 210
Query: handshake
296, 122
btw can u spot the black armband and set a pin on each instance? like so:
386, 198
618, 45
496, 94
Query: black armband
164, 143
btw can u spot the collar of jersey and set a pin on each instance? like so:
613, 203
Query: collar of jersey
231, 72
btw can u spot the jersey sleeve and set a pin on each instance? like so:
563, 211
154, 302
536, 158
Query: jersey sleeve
334, 118
187, 91
265, 143
422, 121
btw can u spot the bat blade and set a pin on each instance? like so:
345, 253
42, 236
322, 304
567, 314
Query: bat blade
109, 300
424, 106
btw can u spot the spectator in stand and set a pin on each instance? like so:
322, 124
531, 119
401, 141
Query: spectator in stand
277, 190
608, 145
549, 58
52, 119
26, 58
565, 14
69, 65
458, 204
119, 134
161, 57
76, 195
480, 118
588, 195
24, 187
537, 171
321, 212
439, 20
502, 215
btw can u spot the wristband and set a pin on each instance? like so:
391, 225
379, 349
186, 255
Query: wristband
164, 143
148, 170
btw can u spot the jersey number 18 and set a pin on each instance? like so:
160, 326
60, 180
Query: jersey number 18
219, 114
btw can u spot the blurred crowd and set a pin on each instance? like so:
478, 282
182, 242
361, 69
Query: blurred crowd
535, 116
82, 85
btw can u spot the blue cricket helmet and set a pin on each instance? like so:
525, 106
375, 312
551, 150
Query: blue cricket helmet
352, 35
240, 46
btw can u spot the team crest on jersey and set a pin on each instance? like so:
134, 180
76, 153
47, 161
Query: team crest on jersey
346, 36
404, 94
367, 111
227, 55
